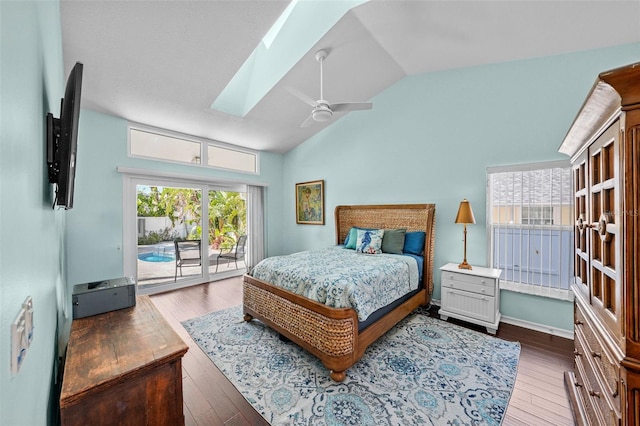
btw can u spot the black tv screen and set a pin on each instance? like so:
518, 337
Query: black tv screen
62, 140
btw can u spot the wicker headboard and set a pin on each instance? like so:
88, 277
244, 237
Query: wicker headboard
413, 217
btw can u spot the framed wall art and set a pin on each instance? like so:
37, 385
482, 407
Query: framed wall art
310, 202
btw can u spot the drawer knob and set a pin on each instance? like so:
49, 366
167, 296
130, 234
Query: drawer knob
483, 290
596, 355
576, 384
594, 393
576, 352
578, 322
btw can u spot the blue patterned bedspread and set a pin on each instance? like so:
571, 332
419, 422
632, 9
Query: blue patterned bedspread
342, 278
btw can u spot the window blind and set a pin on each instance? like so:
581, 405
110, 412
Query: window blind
530, 227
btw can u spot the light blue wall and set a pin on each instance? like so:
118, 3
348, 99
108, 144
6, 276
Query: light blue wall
430, 138
32, 250
94, 226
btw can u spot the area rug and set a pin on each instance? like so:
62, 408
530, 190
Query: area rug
424, 371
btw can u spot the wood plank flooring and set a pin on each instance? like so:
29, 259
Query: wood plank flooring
539, 397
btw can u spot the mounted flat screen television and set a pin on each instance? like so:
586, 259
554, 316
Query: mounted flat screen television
62, 141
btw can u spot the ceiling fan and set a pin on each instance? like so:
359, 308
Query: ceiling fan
322, 109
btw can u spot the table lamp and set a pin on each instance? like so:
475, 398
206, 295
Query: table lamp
465, 215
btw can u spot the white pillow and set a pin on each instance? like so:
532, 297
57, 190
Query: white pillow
369, 241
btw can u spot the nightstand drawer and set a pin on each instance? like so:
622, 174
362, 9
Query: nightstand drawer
469, 304
473, 284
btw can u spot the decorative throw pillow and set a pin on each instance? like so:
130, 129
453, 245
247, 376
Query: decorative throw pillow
393, 241
350, 240
352, 237
414, 242
369, 241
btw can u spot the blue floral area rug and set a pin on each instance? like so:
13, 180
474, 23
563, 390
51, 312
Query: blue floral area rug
424, 371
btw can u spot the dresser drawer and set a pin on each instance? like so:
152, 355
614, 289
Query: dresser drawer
596, 401
586, 401
590, 346
473, 284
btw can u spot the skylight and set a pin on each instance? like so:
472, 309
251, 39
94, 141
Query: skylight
277, 26
300, 26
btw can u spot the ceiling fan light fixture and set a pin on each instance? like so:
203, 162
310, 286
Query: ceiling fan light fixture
322, 109
321, 114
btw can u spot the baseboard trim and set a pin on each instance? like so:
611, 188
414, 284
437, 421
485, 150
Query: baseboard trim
554, 331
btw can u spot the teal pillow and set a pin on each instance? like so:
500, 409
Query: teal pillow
414, 242
350, 241
393, 241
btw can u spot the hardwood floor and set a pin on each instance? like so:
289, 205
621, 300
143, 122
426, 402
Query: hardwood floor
539, 397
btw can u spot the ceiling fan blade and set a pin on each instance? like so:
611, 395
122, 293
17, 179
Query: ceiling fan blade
307, 122
350, 106
302, 96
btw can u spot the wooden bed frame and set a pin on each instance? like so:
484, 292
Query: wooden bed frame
332, 334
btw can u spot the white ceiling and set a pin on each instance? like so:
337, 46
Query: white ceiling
163, 63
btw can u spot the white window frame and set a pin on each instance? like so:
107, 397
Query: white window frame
204, 151
513, 285
133, 177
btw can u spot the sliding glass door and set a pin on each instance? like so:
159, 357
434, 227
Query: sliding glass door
164, 215
168, 244
227, 214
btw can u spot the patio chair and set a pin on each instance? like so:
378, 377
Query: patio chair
235, 253
188, 253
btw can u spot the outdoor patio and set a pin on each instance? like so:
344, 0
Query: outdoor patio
161, 265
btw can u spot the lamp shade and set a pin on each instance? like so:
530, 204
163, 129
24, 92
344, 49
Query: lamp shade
465, 214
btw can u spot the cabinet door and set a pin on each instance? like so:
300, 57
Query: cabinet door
604, 209
581, 235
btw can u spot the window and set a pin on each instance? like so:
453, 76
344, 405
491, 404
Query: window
231, 159
159, 145
537, 215
530, 227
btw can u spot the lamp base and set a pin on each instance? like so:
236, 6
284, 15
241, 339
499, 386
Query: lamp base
464, 265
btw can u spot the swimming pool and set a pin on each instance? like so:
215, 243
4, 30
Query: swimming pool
155, 257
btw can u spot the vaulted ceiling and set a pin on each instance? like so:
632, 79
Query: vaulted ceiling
165, 63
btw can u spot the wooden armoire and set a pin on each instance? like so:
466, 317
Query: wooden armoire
604, 145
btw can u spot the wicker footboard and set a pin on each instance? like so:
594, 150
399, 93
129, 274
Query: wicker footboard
328, 333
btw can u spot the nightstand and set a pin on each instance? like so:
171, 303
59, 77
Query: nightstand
471, 295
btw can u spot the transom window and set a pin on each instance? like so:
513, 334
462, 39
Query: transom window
159, 145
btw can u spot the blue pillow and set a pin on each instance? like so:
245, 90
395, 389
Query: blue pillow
414, 242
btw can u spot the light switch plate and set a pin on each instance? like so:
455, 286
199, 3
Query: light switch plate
18, 341
28, 319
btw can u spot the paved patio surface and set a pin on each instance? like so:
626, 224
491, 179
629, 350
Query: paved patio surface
164, 271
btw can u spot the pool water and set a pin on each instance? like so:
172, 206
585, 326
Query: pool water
154, 257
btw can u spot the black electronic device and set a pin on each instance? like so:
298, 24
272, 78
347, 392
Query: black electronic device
62, 140
103, 296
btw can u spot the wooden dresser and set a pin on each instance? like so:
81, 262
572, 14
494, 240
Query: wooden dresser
604, 145
123, 367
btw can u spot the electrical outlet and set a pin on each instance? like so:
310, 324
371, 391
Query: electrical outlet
18, 341
28, 319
